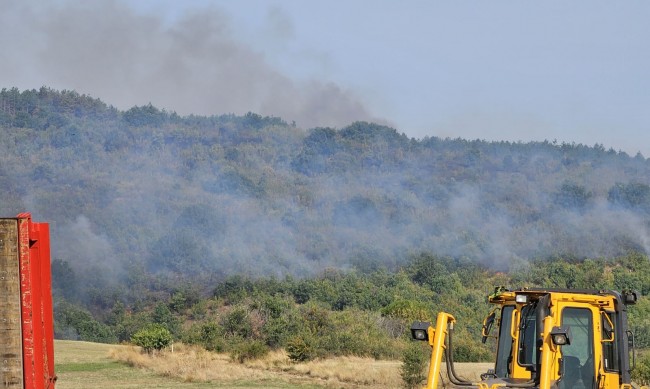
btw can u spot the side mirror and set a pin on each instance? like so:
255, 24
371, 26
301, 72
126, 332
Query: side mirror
630, 297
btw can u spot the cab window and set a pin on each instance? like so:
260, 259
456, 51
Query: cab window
577, 357
610, 348
527, 352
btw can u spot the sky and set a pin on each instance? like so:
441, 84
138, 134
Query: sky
525, 71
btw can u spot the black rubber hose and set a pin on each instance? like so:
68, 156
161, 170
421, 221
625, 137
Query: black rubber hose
451, 371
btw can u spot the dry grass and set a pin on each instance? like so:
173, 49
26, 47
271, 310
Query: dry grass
189, 364
82, 365
192, 364
343, 371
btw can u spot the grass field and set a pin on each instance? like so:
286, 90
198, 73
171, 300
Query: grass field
88, 365
83, 365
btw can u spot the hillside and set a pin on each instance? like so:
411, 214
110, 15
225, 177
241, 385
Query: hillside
244, 234
222, 195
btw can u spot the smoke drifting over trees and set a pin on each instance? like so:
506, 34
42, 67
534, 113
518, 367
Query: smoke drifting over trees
144, 191
192, 65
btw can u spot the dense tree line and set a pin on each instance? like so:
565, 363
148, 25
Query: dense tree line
349, 313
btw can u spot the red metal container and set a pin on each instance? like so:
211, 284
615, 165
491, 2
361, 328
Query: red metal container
26, 319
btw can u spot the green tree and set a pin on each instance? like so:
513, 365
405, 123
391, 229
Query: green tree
73, 322
414, 362
300, 348
153, 337
573, 196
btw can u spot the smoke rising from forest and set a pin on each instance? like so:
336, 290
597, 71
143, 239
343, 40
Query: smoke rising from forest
145, 191
192, 65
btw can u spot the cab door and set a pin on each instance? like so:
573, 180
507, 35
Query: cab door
580, 356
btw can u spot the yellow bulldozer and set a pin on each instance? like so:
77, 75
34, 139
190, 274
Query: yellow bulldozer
544, 338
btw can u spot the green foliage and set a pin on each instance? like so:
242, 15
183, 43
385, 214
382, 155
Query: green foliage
641, 372
233, 289
408, 310
129, 323
212, 337
162, 315
468, 348
573, 196
337, 319
249, 350
145, 115
634, 194
300, 348
153, 337
237, 323
414, 362
72, 322
184, 299
431, 271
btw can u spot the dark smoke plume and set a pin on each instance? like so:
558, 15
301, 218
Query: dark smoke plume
192, 65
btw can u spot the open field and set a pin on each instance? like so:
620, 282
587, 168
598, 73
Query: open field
88, 365
91, 365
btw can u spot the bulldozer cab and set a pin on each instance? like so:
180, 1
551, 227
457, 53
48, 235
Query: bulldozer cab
548, 338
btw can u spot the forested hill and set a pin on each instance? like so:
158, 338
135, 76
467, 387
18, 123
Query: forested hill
149, 191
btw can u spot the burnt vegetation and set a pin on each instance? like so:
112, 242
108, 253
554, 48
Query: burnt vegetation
246, 233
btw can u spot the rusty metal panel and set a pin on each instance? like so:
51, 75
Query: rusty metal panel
11, 358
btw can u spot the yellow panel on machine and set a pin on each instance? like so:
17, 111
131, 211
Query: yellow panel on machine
545, 338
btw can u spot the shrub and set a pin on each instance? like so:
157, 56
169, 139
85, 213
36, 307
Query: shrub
414, 362
211, 337
153, 337
249, 350
641, 372
237, 323
300, 348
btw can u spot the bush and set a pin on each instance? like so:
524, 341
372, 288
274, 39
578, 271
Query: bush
237, 323
414, 362
641, 372
249, 350
153, 337
300, 349
211, 337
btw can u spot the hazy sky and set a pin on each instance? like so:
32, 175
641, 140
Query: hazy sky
575, 71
